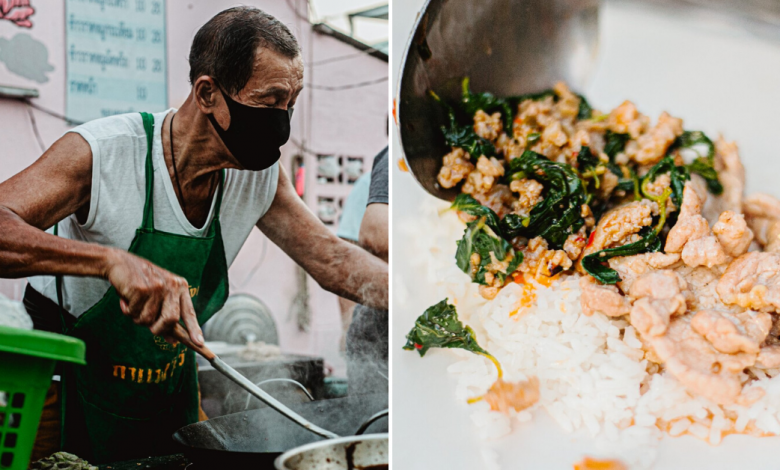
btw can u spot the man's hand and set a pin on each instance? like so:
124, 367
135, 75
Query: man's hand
152, 296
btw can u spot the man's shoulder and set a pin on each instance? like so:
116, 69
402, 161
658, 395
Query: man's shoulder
118, 125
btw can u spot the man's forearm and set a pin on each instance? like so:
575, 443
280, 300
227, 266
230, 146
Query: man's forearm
27, 251
355, 274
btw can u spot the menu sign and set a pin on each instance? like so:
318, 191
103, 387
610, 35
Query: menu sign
115, 56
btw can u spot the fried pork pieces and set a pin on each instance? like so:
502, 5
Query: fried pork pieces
706, 305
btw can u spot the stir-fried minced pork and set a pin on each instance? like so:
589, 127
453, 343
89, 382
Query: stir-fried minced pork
762, 214
701, 368
631, 267
752, 281
457, 165
605, 299
529, 194
626, 119
768, 357
733, 233
499, 199
693, 270
540, 261
503, 395
618, 224
690, 223
691, 235
731, 175
729, 333
651, 147
575, 243
487, 126
658, 296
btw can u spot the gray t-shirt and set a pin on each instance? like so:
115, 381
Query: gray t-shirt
119, 147
378, 192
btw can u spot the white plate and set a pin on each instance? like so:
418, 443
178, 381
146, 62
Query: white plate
707, 69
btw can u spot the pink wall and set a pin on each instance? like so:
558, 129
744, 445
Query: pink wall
349, 122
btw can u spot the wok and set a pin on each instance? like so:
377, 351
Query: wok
257, 437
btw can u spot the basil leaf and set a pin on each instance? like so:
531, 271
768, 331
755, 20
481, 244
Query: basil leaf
482, 236
585, 111
487, 102
466, 203
594, 263
586, 160
614, 144
679, 175
704, 163
696, 141
466, 248
705, 169
558, 214
439, 327
463, 135
480, 239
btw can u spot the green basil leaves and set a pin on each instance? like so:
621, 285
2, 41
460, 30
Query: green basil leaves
439, 327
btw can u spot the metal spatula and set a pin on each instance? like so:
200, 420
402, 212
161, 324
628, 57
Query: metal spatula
181, 334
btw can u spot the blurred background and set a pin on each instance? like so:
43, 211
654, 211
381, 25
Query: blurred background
63, 63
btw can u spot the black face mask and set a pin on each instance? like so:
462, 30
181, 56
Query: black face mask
255, 134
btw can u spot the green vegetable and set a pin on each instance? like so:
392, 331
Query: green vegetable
463, 136
679, 175
594, 263
614, 144
558, 215
62, 461
482, 236
704, 164
532, 138
466, 203
585, 111
439, 327
707, 171
487, 102
586, 161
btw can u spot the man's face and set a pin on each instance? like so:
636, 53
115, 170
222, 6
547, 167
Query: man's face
276, 81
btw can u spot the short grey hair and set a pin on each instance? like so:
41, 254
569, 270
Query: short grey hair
224, 48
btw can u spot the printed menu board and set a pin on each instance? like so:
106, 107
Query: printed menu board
115, 56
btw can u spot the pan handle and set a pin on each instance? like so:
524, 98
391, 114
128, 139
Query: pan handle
370, 420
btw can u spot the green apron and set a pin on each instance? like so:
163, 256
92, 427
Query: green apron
136, 389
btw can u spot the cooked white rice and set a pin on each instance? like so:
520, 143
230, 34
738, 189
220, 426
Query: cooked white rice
590, 368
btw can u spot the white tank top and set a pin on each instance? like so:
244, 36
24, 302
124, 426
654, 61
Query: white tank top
119, 146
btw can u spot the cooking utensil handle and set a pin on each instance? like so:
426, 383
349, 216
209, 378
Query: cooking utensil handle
181, 334
370, 420
266, 398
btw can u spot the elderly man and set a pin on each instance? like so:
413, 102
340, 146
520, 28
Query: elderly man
147, 212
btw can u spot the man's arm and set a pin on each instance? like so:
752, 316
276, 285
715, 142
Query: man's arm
336, 265
373, 230
57, 185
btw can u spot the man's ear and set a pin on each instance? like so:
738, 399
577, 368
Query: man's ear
209, 100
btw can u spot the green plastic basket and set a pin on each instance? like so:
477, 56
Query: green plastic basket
27, 359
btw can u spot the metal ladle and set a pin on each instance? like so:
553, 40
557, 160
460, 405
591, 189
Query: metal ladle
511, 47
182, 335
507, 47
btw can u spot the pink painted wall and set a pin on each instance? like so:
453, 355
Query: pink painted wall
349, 123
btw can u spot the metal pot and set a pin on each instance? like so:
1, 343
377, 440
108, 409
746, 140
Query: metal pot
368, 452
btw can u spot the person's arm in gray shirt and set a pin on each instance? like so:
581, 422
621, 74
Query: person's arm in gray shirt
374, 228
